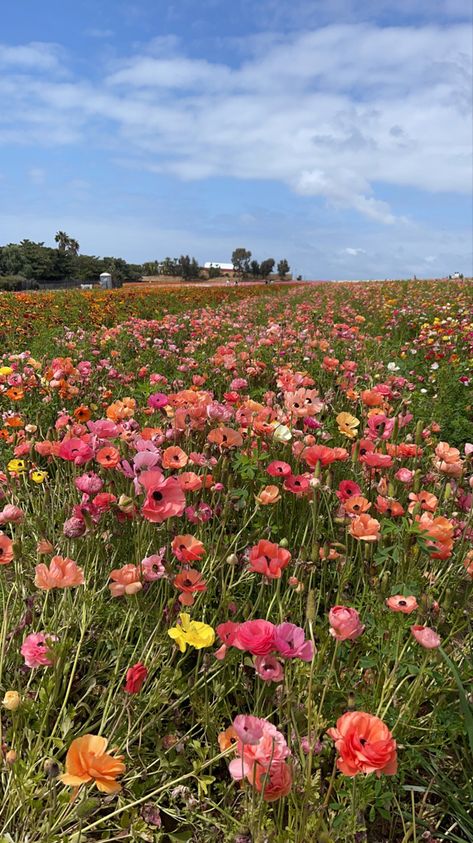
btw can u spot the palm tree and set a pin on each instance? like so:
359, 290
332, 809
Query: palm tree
62, 239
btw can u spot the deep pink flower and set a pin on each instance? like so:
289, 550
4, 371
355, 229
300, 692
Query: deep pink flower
289, 640
257, 637
36, 651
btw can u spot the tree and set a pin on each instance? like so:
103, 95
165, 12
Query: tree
241, 261
66, 243
267, 267
255, 269
188, 268
283, 268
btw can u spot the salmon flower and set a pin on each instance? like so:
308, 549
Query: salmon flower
365, 745
174, 457
268, 495
164, 498
126, 581
62, 573
6, 549
364, 528
108, 457
87, 761
345, 624
425, 636
356, 505
225, 437
399, 603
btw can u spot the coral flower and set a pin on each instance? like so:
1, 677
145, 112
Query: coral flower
62, 573
126, 580
426, 637
189, 481
345, 624
189, 582
88, 761
274, 782
365, 528
187, 548
399, 603
364, 744
268, 495
164, 498
108, 457
297, 484
268, 559
225, 437
278, 468
356, 505
6, 549
347, 489
174, 457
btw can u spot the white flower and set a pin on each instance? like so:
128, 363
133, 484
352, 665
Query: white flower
392, 367
434, 366
281, 433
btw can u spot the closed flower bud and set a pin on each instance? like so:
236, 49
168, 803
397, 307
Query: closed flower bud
125, 504
11, 700
51, 768
10, 757
284, 543
232, 559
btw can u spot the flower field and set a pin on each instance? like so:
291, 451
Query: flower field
236, 556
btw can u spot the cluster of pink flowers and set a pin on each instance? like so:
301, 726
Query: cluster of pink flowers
263, 640
261, 756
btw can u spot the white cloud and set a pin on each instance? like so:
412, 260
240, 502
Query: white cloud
33, 56
332, 112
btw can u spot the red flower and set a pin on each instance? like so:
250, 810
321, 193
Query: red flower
135, 676
269, 559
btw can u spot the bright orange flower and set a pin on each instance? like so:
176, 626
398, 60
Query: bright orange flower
6, 549
189, 582
82, 414
364, 744
356, 505
87, 761
62, 573
15, 393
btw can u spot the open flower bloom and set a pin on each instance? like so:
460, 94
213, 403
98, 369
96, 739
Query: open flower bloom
164, 498
269, 494
187, 548
345, 624
36, 649
126, 580
174, 457
62, 573
189, 582
347, 424
6, 549
269, 668
193, 633
289, 641
261, 756
399, 603
365, 528
364, 744
426, 637
269, 559
356, 505
88, 761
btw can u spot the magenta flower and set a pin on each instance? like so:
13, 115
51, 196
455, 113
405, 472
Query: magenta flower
289, 640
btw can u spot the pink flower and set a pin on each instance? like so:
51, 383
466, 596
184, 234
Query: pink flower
268, 559
347, 489
11, 514
74, 528
152, 566
289, 640
75, 450
157, 400
345, 623
164, 498
426, 637
278, 468
249, 729
257, 637
89, 483
35, 649
269, 668
405, 475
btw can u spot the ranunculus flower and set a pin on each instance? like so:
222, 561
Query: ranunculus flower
11, 700
269, 668
256, 636
189, 582
62, 573
6, 549
268, 495
345, 624
289, 640
426, 637
11, 514
187, 548
399, 603
164, 498
365, 528
135, 677
125, 580
88, 761
364, 744
269, 559
36, 650
274, 782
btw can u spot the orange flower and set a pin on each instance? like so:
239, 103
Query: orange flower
365, 528
189, 582
388, 506
82, 414
356, 505
6, 549
364, 744
126, 580
270, 494
447, 454
225, 437
174, 457
427, 501
108, 457
15, 393
120, 410
187, 548
62, 573
87, 761
227, 738
189, 481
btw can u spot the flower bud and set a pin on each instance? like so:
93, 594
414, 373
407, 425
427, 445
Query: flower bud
232, 559
10, 757
11, 700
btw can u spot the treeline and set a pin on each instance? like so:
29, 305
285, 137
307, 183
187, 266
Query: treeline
30, 265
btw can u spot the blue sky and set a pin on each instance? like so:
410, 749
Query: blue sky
335, 133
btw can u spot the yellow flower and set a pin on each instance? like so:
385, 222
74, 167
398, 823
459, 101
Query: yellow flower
11, 700
38, 476
16, 466
5, 370
347, 424
194, 633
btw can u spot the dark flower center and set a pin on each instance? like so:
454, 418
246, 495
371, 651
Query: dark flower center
157, 496
403, 602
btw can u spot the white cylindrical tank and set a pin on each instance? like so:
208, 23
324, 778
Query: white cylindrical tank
105, 280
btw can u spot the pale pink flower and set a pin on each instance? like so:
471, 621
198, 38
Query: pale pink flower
345, 623
426, 637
